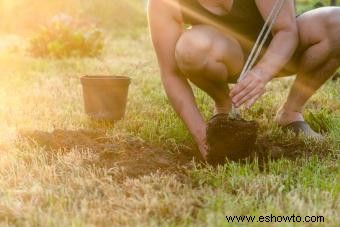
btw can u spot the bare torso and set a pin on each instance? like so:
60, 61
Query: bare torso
218, 7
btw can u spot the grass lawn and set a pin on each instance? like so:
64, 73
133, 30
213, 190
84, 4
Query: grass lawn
88, 184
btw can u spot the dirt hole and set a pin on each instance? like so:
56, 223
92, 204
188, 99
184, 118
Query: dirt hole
134, 157
130, 155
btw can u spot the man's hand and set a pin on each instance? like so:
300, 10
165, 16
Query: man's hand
203, 148
249, 90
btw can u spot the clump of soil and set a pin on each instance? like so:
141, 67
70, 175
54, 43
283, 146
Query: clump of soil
231, 138
124, 155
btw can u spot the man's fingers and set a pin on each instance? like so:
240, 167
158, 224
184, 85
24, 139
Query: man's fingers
251, 102
204, 152
249, 96
241, 95
248, 91
240, 86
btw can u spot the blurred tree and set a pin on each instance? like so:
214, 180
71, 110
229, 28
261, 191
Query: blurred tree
333, 2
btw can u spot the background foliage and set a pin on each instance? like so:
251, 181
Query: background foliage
63, 37
117, 16
24, 16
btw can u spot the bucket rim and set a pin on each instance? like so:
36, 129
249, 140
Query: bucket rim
104, 77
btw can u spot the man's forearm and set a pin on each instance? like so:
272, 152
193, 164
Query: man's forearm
182, 99
279, 52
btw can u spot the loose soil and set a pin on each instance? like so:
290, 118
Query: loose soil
129, 156
231, 138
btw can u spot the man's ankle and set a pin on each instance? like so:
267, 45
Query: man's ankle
285, 116
222, 107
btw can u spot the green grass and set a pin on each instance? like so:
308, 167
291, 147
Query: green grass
45, 94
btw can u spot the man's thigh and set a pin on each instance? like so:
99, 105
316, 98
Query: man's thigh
203, 43
315, 26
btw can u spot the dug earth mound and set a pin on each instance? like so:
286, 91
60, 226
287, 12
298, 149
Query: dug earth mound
231, 138
124, 155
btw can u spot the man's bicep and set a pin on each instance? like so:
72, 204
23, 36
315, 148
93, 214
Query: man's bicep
286, 18
165, 30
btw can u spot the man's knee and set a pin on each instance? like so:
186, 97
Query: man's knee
332, 19
333, 28
326, 29
192, 51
